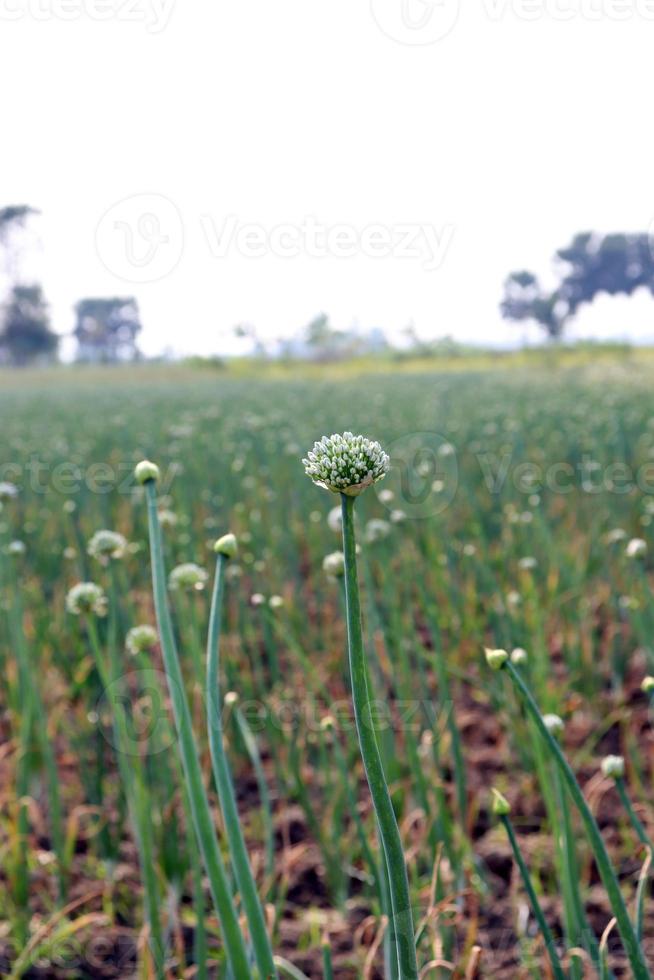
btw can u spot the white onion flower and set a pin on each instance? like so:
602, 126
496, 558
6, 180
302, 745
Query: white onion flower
335, 520
346, 463
333, 564
187, 576
141, 638
86, 597
613, 767
376, 530
8, 490
636, 548
105, 545
553, 723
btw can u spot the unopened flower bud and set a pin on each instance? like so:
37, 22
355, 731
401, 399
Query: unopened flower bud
146, 472
227, 546
500, 805
496, 658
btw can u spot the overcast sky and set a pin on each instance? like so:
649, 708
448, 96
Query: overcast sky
384, 161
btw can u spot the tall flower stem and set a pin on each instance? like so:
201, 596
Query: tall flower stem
390, 835
132, 777
533, 899
225, 787
625, 927
631, 813
202, 819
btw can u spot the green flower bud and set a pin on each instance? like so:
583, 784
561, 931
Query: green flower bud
500, 805
496, 658
647, 685
227, 546
146, 472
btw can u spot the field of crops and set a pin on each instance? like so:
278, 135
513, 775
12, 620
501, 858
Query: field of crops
516, 516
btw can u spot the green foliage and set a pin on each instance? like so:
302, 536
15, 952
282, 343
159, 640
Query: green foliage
591, 264
25, 333
106, 329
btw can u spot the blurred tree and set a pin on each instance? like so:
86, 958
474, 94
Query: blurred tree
26, 334
591, 264
106, 329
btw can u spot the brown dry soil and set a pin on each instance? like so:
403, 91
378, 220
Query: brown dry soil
494, 923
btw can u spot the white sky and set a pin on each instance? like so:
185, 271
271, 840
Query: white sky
529, 121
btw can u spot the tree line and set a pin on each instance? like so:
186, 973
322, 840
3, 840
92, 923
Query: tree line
106, 328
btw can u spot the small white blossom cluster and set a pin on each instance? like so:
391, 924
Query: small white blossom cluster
333, 564
140, 638
86, 597
107, 544
8, 490
613, 767
346, 463
188, 576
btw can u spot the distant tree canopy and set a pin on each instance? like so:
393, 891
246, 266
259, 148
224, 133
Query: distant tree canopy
106, 329
25, 332
590, 265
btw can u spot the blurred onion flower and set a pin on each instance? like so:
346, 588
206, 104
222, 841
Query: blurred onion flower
346, 463
636, 548
376, 530
8, 490
16, 548
141, 638
85, 598
335, 520
613, 767
187, 576
554, 724
167, 518
105, 545
333, 564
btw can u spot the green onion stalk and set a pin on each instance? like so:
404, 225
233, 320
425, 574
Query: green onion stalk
147, 474
502, 810
225, 549
348, 464
498, 659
